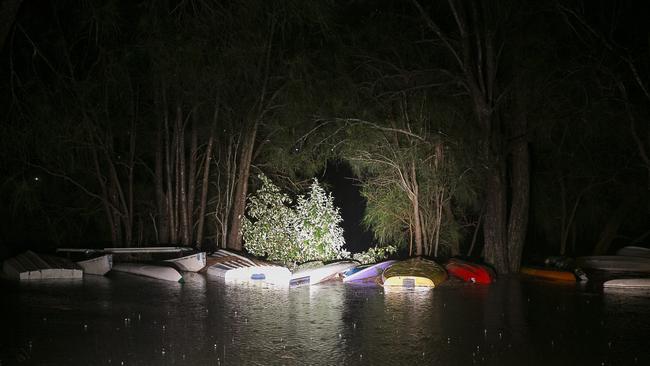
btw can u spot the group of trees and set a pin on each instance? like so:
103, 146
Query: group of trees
473, 127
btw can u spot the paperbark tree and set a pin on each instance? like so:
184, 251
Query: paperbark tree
475, 50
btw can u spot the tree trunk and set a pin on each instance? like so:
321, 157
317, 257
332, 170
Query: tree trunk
206, 178
518, 222
130, 191
417, 228
191, 180
455, 242
417, 223
494, 227
520, 191
105, 196
169, 168
611, 228
182, 177
163, 226
241, 190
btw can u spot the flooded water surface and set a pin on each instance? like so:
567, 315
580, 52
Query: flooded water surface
129, 320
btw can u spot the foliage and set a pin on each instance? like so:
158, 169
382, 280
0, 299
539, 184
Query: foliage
375, 254
318, 227
411, 157
271, 232
309, 231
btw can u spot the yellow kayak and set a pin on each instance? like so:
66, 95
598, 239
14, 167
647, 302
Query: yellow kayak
414, 273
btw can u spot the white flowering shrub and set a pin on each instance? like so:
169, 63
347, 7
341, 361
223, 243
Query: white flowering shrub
318, 228
280, 232
374, 255
268, 228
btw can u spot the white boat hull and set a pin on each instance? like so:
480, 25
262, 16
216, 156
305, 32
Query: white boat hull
97, 266
272, 275
146, 270
312, 276
631, 283
235, 268
31, 266
375, 270
189, 263
634, 251
615, 263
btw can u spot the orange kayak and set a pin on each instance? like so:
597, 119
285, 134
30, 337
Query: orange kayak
549, 274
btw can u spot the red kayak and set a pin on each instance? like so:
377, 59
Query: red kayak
470, 272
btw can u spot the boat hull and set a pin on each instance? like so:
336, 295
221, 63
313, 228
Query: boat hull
146, 270
271, 275
31, 266
632, 251
470, 272
628, 283
97, 266
615, 263
368, 273
548, 274
189, 263
416, 273
313, 276
236, 268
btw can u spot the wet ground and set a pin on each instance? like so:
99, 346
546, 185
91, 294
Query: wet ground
129, 320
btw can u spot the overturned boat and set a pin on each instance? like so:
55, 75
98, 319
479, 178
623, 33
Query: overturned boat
320, 273
470, 271
31, 266
91, 261
100, 261
147, 270
634, 251
189, 263
237, 268
614, 263
414, 273
98, 265
366, 272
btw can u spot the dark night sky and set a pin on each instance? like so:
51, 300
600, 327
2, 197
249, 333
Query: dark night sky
347, 197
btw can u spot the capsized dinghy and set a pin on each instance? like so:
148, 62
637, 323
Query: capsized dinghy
97, 266
633, 251
367, 272
321, 273
92, 261
615, 263
628, 283
470, 272
32, 266
237, 268
158, 272
189, 263
552, 274
414, 273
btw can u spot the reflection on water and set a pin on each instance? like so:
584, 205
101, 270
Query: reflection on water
126, 320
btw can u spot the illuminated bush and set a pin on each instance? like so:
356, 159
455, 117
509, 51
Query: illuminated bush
309, 231
374, 255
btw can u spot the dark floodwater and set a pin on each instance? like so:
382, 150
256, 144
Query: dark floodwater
125, 320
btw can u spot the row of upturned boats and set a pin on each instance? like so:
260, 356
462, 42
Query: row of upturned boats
169, 263
236, 267
628, 268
